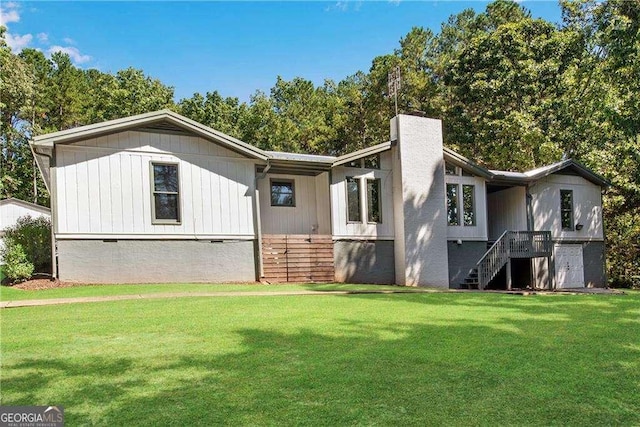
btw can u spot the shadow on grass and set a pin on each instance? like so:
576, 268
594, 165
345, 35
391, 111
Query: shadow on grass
536, 371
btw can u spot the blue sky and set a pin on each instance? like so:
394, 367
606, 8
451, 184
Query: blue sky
233, 47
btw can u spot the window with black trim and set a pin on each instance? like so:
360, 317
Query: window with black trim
566, 209
166, 193
283, 193
353, 200
374, 214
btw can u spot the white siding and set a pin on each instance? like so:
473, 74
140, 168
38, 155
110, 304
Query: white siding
362, 230
10, 212
310, 215
470, 232
507, 210
104, 187
587, 207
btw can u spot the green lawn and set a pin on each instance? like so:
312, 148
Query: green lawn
11, 294
401, 359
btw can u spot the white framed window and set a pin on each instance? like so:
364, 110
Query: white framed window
283, 193
353, 200
374, 208
566, 209
165, 204
461, 205
453, 204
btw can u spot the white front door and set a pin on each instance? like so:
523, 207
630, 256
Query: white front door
569, 266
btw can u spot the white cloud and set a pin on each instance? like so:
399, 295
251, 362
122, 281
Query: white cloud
17, 42
69, 40
8, 15
344, 6
43, 37
73, 53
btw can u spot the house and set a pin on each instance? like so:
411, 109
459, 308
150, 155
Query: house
11, 209
160, 198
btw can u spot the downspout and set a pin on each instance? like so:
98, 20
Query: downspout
258, 220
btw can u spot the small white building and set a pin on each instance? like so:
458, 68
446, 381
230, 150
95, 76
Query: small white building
11, 209
160, 198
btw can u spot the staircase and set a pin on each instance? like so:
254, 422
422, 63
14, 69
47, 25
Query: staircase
511, 244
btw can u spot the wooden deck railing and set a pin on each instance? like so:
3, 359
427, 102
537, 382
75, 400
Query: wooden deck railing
512, 244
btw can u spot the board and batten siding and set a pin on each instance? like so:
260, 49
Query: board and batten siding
342, 229
470, 232
310, 215
104, 187
587, 207
507, 210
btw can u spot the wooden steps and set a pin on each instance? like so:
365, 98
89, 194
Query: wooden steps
298, 258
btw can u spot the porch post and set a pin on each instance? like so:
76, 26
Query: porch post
509, 274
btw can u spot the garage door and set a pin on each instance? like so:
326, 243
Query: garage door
569, 267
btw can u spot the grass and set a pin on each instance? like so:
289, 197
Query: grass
401, 359
12, 294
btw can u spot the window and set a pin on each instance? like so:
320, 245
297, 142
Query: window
282, 193
374, 213
369, 162
372, 162
353, 200
468, 205
453, 218
461, 210
450, 169
166, 193
566, 209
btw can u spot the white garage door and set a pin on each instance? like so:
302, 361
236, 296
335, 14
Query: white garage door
569, 267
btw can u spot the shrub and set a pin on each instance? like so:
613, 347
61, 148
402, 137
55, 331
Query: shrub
34, 236
17, 267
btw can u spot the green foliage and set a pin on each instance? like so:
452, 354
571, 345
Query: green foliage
16, 264
33, 235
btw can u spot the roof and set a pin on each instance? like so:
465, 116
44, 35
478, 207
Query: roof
544, 171
25, 204
166, 120
163, 119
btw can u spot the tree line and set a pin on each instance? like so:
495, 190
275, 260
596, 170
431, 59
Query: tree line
514, 92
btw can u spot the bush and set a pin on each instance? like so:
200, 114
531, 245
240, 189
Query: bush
34, 236
17, 267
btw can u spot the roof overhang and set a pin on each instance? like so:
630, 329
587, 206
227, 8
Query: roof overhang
524, 178
461, 161
369, 151
156, 120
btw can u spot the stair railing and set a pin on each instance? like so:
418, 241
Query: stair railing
493, 260
512, 244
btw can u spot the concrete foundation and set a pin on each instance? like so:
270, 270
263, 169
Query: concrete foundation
462, 259
156, 261
364, 262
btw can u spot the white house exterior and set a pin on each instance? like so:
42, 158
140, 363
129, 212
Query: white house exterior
160, 198
11, 209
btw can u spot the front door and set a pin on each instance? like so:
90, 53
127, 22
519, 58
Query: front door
569, 266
